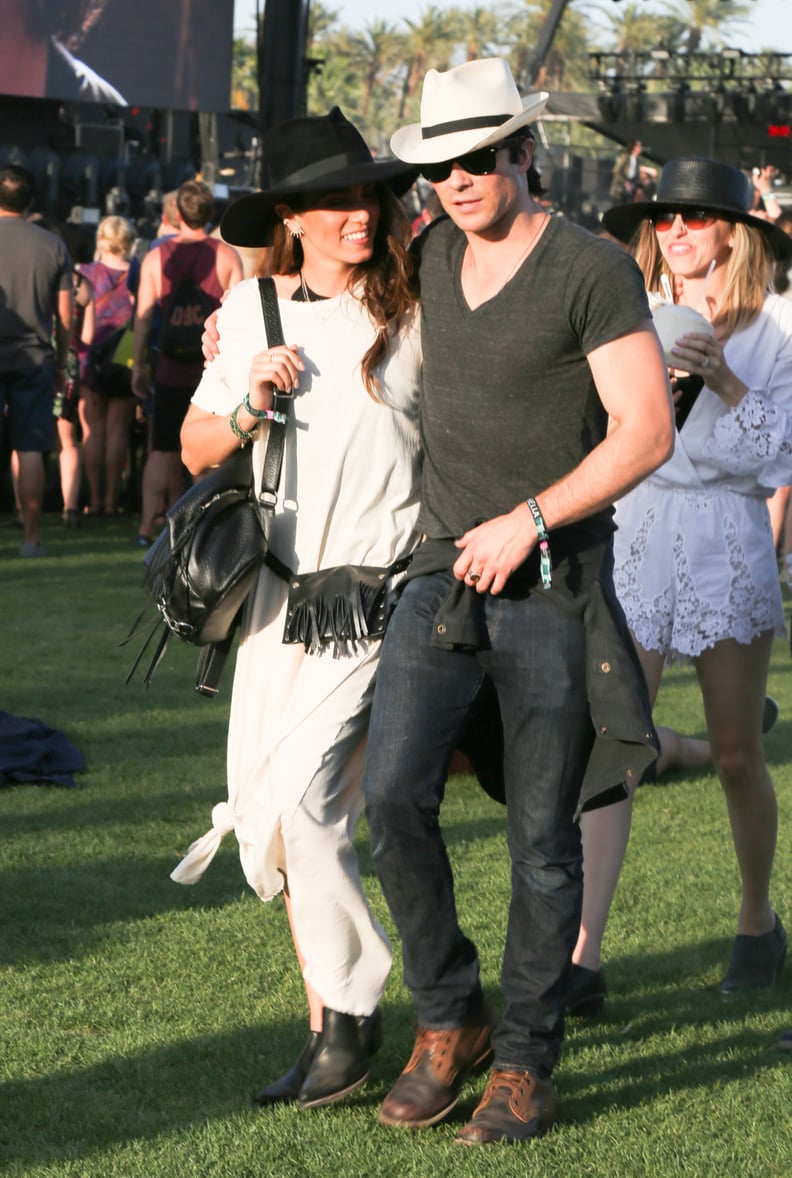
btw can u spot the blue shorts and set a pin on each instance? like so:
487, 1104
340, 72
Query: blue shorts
29, 396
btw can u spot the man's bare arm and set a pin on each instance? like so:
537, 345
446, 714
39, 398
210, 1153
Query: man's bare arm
64, 310
632, 382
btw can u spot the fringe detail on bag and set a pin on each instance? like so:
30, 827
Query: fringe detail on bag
343, 619
162, 568
158, 625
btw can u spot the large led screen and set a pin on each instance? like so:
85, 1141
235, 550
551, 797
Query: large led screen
163, 53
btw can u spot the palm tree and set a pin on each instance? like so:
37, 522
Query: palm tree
633, 27
429, 40
335, 80
244, 75
376, 52
478, 28
566, 62
332, 80
704, 19
322, 21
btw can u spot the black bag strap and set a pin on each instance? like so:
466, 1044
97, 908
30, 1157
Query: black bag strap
271, 312
273, 457
211, 661
213, 657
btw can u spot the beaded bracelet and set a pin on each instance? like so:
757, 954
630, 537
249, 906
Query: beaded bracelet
545, 567
263, 414
244, 435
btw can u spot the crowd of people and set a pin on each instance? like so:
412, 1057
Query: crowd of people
113, 408
559, 495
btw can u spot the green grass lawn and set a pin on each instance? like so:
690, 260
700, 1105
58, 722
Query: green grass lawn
137, 1016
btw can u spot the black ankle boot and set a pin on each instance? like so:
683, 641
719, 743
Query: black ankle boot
370, 1026
756, 962
341, 1063
287, 1087
586, 992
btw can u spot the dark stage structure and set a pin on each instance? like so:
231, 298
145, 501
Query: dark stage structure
89, 158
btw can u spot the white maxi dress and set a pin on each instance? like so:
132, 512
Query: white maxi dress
348, 495
694, 556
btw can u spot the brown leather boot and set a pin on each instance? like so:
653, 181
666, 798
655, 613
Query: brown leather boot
515, 1106
441, 1061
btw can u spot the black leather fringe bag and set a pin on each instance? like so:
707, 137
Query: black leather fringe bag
207, 559
339, 605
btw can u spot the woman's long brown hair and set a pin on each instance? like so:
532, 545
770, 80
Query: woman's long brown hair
388, 287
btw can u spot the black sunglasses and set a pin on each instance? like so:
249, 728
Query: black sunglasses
477, 163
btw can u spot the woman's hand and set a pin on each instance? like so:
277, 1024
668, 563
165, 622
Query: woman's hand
276, 370
703, 354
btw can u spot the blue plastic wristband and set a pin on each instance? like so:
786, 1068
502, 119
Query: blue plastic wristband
263, 414
545, 563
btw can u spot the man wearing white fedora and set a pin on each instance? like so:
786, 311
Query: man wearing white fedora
545, 398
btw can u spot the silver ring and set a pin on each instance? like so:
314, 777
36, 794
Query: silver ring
705, 362
474, 578
270, 357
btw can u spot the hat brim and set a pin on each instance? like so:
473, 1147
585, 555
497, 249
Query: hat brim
623, 221
409, 144
251, 220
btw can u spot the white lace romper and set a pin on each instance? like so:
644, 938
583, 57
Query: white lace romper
694, 553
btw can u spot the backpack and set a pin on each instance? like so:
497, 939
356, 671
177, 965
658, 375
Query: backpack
204, 563
111, 360
183, 321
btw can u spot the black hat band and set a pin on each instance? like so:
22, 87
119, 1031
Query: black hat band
324, 167
464, 125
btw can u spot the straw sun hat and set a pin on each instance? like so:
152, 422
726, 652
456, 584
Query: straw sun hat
472, 106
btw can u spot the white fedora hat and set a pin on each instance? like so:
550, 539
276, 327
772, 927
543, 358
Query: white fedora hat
474, 105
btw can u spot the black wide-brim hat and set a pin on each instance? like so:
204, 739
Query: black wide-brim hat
694, 182
314, 153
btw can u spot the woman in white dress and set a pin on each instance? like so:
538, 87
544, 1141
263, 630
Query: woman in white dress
348, 496
696, 568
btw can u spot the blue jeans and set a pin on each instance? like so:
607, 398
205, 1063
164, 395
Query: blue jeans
423, 700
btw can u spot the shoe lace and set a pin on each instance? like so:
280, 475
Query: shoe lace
506, 1085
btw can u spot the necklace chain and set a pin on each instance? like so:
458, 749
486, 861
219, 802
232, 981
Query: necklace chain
526, 251
308, 295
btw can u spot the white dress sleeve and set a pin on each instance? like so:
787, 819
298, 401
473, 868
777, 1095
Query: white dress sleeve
224, 381
754, 438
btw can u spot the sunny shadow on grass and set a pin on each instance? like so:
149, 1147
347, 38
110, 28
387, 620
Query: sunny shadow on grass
137, 1017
